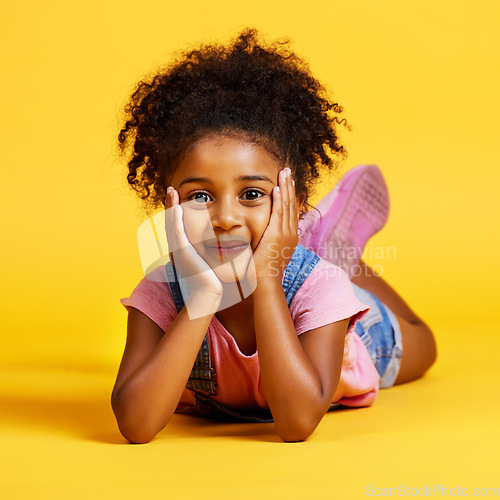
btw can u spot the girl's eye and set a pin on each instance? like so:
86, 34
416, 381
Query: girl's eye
200, 197
252, 194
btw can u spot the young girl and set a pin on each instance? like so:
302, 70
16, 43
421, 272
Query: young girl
270, 328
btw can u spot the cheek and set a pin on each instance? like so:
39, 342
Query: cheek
260, 222
197, 224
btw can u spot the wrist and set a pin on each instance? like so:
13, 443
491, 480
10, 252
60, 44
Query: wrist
202, 303
268, 283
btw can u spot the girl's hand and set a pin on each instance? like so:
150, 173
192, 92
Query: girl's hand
198, 274
281, 236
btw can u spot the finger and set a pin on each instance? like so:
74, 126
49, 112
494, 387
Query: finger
174, 226
283, 195
290, 226
175, 197
291, 197
169, 216
180, 231
289, 201
277, 209
167, 199
285, 198
294, 208
179, 245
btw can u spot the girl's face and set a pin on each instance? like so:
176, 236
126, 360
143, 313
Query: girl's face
225, 187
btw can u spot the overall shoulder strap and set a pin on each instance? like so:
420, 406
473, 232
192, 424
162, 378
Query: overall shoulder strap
202, 377
298, 269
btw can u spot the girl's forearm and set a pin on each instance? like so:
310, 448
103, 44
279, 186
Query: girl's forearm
148, 398
291, 383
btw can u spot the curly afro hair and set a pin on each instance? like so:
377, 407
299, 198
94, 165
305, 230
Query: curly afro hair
262, 93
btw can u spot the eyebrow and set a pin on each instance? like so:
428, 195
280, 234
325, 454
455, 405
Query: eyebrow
241, 178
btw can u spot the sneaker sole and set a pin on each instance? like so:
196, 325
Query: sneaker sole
342, 236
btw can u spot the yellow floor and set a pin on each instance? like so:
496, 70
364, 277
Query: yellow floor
59, 440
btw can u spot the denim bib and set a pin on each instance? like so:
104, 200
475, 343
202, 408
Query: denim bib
202, 377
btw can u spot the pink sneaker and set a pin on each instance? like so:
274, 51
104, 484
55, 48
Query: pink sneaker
351, 213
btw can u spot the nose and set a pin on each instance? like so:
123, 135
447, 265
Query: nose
225, 214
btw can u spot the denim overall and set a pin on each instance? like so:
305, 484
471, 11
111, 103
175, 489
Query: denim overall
202, 377
379, 330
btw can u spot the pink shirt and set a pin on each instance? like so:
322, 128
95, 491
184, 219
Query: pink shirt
325, 296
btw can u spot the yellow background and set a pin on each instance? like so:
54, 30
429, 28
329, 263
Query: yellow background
419, 83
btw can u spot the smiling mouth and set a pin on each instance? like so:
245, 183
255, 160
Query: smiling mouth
225, 247
227, 250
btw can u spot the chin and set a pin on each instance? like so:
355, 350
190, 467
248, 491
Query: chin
233, 268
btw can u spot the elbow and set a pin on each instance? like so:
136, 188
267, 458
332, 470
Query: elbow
134, 432
133, 429
429, 348
135, 436
299, 423
296, 435
297, 431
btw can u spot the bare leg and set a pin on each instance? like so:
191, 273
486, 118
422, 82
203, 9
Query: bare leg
419, 346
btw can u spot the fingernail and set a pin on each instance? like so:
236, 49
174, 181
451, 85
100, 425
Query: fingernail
293, 182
